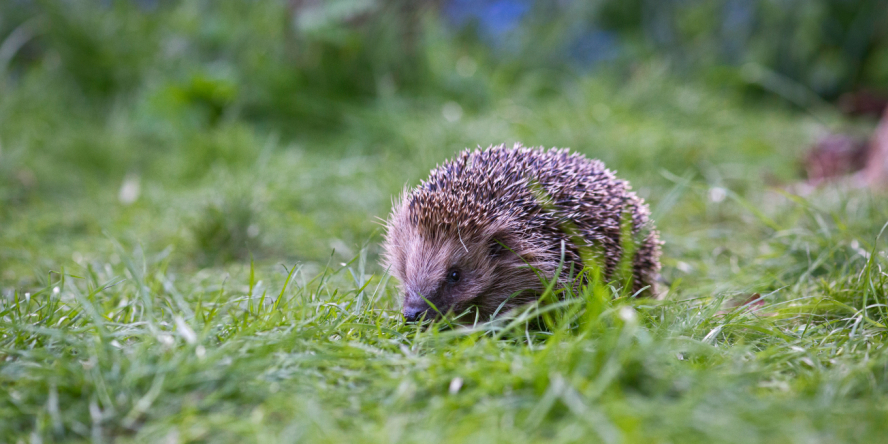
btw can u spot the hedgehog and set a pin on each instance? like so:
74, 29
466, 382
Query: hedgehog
485, 226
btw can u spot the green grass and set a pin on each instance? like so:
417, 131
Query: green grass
239, 296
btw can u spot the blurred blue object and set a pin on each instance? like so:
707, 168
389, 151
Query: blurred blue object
498, 21
494, 18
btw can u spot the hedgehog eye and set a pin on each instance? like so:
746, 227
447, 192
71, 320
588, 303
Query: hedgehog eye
453, 276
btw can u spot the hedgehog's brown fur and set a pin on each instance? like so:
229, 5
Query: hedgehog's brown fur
488, 214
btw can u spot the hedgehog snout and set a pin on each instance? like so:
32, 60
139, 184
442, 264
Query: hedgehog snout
413, 314
415, 306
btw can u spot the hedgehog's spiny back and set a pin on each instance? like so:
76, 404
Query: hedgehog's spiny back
498, 182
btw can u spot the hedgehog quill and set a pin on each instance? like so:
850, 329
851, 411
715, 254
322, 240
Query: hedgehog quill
479, 229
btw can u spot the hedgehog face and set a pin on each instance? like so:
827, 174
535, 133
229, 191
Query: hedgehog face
441, 271
454, 271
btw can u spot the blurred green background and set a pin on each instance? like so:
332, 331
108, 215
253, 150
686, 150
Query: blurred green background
283, 128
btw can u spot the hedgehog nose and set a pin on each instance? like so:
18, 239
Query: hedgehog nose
415, 306
413, 314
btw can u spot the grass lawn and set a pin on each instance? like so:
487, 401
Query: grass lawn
170, 281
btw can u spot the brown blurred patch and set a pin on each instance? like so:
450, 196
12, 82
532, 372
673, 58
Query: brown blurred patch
845, 158
863, 103
835, 155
